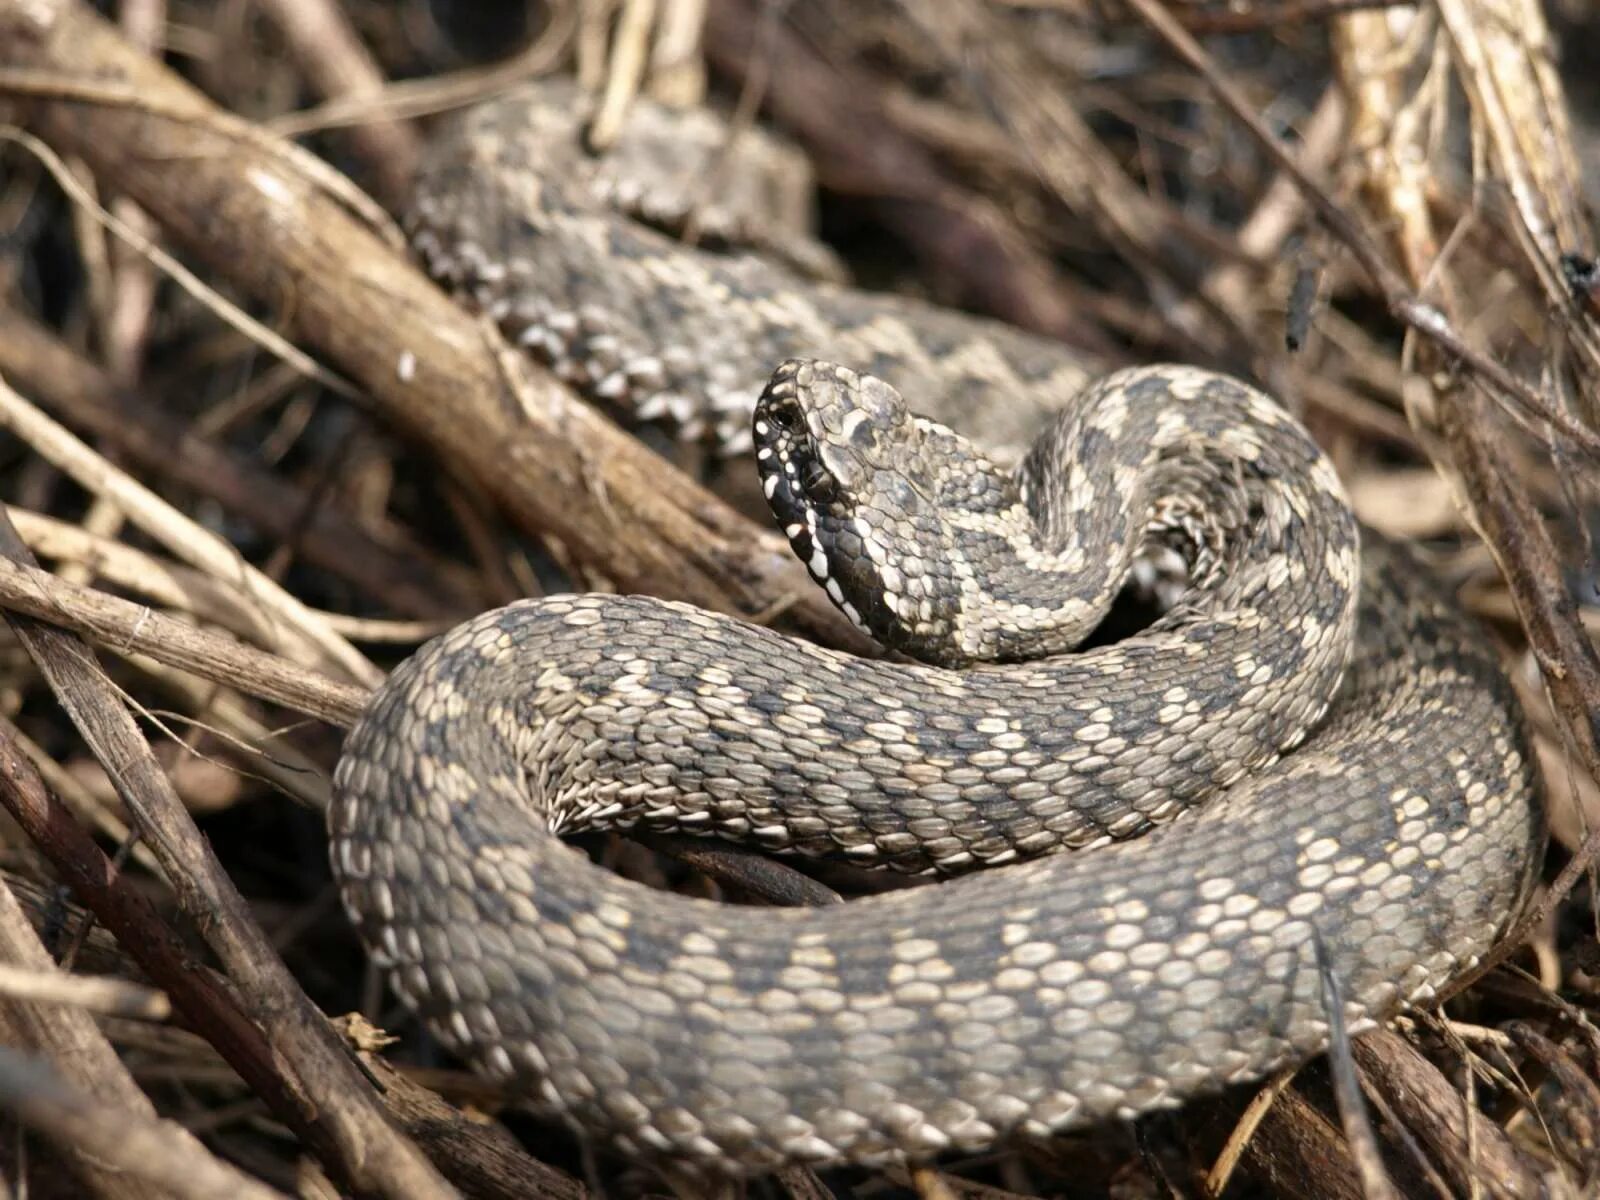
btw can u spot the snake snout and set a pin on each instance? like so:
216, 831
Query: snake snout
807, 468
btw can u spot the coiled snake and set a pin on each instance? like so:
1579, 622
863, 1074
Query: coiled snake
1368, 798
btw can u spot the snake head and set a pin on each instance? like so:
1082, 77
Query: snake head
866, 492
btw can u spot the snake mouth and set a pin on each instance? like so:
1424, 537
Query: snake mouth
792, 476
805, 494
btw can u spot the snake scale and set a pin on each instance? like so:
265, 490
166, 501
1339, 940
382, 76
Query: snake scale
1319, 751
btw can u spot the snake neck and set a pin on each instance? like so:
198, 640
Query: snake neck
922, 541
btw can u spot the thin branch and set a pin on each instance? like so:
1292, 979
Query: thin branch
134, 1144
329, 1101
191, 282
69, 1038
114, 997
1404, 304
296, 625
387, 565
128, 628
341, 67
270, 226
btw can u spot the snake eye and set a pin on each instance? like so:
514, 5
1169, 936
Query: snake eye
783, 416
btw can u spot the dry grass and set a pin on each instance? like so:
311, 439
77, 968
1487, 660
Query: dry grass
250, 508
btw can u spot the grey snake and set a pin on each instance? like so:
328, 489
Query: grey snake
1311, 759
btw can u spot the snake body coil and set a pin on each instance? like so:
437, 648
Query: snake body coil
1366, 790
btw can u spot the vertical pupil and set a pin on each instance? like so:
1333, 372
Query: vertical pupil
785, 417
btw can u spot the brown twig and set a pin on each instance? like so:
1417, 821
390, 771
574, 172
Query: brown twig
157, 580
857, 149
132, 628
340, 68
1212, 21
304, 636
1491, 487
69, 1038
1512, 526
206, 1005
1299, 1151
483, 1158
1353, 1116
126, 324
1403, 303
327, 1099
115, 997
393, 568
1494, 493
86, 806
130, 1144
1000, 62
625, 66
1432, 1110
269, 228
254, 747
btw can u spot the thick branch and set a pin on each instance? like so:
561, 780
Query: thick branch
251, 207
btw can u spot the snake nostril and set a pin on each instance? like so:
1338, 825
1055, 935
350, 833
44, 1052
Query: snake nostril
820, 484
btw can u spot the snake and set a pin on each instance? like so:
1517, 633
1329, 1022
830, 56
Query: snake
1162, 861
